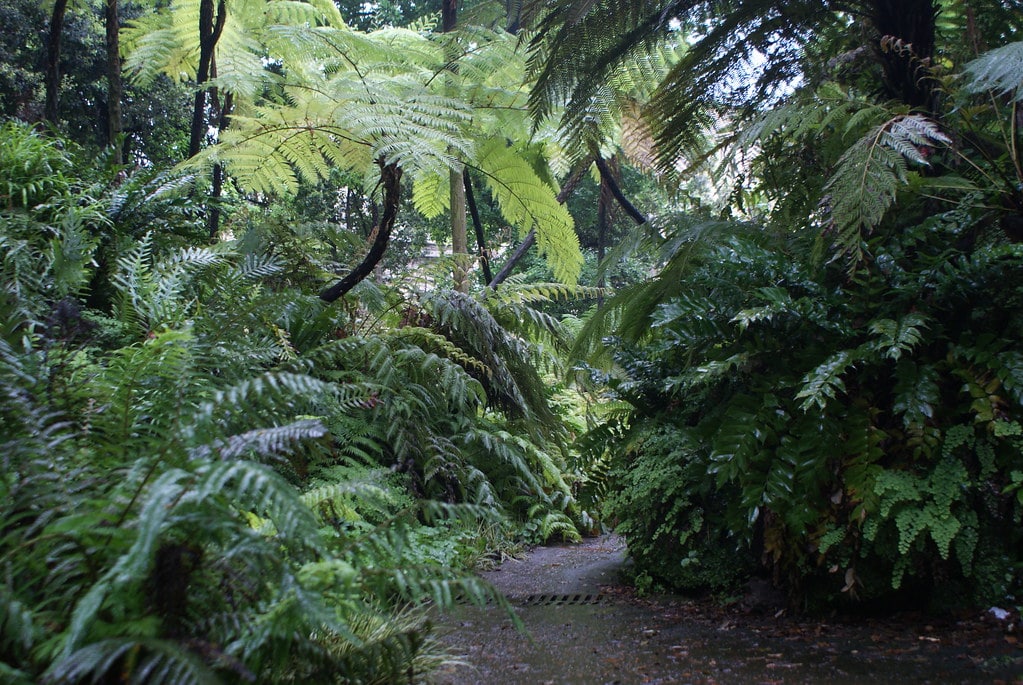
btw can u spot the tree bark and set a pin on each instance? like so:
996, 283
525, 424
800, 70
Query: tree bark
603, 210
449, 15
115, 86
51, 111
906, 33
390, 178
213, 218
459, 231
211, 25
607, 176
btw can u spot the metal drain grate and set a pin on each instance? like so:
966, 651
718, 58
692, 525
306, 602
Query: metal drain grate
546, 599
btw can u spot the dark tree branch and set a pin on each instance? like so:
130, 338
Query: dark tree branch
481, 244
519, 253
390, 178
608, 177
210, 29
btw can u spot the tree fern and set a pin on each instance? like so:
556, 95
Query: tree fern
869, 174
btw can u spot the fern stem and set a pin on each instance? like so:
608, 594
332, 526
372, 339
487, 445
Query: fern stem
1013, 136
612, 185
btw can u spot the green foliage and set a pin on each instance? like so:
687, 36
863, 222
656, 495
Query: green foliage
998, 70
672, 515
216, 479
869, 173
861, 429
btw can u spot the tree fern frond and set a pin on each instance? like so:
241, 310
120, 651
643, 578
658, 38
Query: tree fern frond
430, 195
869, 174
529, 203
1000, 70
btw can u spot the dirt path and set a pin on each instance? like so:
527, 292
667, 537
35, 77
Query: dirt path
585, 627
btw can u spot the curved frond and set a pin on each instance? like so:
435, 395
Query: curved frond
528, 203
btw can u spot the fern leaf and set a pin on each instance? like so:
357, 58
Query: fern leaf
1000, 70
430, 195
825, 381
528, 203
869, 174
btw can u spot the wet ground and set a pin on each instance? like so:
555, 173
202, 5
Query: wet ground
583, 626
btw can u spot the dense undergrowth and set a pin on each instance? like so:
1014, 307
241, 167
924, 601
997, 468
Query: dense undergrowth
209, 476
832, 397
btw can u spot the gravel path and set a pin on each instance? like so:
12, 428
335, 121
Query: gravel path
584, 627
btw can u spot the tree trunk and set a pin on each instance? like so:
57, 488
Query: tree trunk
213, 218
52, 110
513, 12
459, 236
211, 25
459, 231
115, 88
481, 241
604, 198
390, 178
608, 178
906, 31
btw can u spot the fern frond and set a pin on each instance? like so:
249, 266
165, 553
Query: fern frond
999, 70
430, 195
153, 661
825, 381
869, 174
529, 203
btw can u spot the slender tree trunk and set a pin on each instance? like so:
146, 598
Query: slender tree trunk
607, 176
481, 241
213, 218
604, 198
115, 88
52, 109
390, 178
459, 235
211, 25
459, 231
